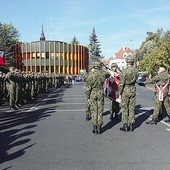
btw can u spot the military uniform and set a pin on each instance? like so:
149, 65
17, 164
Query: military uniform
10, 80
127, 91
161, 97
95, 95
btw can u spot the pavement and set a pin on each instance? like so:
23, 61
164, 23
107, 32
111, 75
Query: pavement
51, 133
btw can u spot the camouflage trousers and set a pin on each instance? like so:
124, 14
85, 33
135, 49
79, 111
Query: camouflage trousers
158, 104
88, 108
11, 94
96, 110
128, 102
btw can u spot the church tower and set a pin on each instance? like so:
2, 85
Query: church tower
42, 38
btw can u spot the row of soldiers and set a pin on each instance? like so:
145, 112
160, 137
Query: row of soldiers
18, 87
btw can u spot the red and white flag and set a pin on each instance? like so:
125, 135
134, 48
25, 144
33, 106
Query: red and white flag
2, 58
110, 88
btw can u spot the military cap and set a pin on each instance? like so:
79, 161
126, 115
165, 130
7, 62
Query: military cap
114, 65
97, 65
130, 59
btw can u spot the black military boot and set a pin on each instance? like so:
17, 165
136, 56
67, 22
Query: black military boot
124, 128
131, 127
87, 117
99, 129
152, 122
111, 116
116, 116
94, 129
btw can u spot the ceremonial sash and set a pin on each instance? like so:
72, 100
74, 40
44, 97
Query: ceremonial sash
162, 90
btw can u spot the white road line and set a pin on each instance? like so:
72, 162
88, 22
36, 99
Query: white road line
69, 94
167, 124
54, 98
76, 110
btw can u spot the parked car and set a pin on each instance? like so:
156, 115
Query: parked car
141, 79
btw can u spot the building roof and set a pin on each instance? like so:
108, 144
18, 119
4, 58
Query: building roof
122, 52
107, 61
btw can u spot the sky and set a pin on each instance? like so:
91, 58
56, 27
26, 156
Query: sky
117, 23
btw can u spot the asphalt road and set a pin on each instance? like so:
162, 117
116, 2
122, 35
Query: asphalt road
52, 134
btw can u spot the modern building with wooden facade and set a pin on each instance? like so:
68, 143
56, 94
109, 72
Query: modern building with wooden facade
54, 57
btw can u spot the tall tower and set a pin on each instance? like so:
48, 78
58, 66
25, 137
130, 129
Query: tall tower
42, 38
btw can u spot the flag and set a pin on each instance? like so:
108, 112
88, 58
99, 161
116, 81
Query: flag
2, 58
110, 88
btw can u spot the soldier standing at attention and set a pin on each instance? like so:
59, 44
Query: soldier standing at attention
127, 94
161, 80
95, 95
10, 80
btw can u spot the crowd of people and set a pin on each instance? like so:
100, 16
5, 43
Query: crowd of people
119, 87
18, 88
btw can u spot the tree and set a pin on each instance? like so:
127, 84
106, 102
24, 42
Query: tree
155, 51
74, 40
149, 44
8, 39
94, 47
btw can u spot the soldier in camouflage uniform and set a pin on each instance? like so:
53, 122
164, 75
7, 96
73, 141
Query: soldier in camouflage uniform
127, 94
95, 95
162, 81
10, 83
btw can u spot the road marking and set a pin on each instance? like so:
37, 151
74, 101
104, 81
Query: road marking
149, 88
64, 94
150, 116
61, 98
76, 110
165, 123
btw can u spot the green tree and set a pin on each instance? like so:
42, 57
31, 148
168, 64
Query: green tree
94, 47
9, 36
74, 40
149, 44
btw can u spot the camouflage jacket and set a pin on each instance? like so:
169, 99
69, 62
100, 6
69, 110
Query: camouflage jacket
161, 80
128, 78
95, 81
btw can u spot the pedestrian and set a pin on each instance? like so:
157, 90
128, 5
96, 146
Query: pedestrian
95, 96
161, 80
127, 94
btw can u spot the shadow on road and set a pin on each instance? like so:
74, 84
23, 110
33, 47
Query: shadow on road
111, 123
11, 136
15, 138
142, 117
